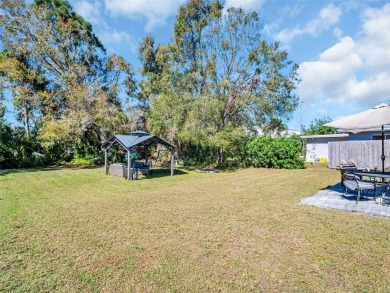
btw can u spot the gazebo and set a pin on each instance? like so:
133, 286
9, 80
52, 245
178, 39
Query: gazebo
129, 142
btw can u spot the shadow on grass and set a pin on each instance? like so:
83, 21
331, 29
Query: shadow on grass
157, 173
4, 172
211, 170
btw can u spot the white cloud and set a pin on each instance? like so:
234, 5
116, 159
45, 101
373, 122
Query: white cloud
322, 77
353, 70
340, 52
375, 46
246, 4
337, 32
89, 11
285, 13
376, 87
327, 17
155, 12
113, 38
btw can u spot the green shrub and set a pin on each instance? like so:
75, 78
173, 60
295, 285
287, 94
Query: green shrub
134, 156
82, 161
259, 152
279, 153
198, 155
17, 150
37, 159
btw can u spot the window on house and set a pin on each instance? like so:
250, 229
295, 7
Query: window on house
379, 137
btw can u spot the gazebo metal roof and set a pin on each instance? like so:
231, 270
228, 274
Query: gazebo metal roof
137, 138
129, 142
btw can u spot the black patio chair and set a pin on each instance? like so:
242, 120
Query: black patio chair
353, 182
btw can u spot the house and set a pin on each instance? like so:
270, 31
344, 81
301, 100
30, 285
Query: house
317, 147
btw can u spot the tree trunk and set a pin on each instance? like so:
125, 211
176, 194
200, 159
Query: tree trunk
179, 149
26, 121
219, 160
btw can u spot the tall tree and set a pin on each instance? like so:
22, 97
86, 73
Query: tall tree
25, 83
152, 83
221, 78
61, 9
82, 84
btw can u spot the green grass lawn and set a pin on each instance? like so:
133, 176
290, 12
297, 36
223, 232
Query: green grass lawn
78, 230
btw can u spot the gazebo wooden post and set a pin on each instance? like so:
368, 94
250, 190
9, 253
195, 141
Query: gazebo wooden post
105, 161
128, 164
172, 161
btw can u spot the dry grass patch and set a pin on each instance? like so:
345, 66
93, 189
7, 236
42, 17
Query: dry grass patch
79, 230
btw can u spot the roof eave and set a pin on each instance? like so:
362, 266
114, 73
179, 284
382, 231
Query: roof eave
326, 135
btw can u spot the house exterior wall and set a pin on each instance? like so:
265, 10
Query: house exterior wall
365, 135
317, 148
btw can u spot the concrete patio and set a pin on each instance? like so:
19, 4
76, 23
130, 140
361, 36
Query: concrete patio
333, 197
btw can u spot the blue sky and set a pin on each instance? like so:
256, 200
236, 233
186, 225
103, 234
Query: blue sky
342, 47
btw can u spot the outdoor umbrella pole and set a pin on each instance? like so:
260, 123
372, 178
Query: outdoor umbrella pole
383, 150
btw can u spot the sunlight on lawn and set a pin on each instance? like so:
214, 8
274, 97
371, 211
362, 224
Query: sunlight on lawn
80, 230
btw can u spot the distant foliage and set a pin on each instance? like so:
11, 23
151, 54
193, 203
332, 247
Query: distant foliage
134, 156
279, 153
259, 152
6, 153
80, 161
17, 151
316, 127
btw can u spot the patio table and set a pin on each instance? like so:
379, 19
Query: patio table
385, 183
348, 170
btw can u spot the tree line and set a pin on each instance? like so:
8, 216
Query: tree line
207, 91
